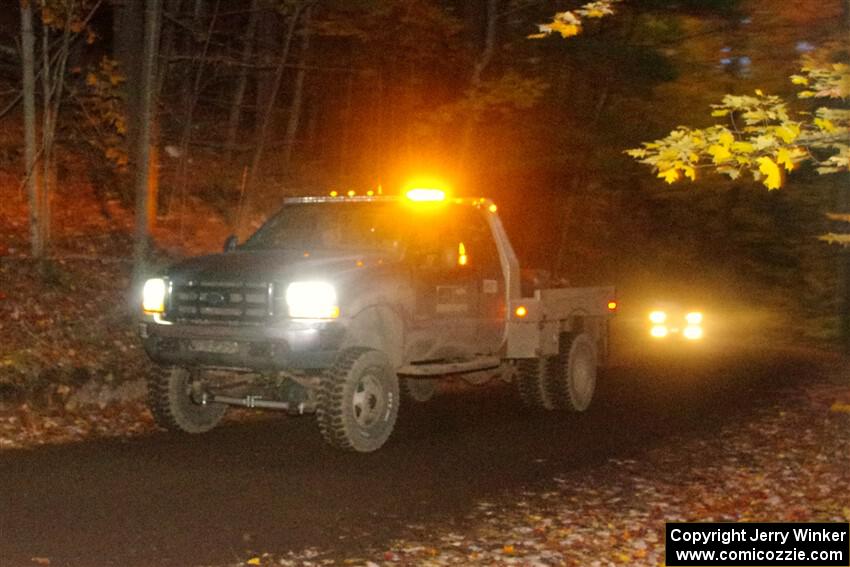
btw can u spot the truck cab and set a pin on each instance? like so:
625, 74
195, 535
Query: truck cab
342, 306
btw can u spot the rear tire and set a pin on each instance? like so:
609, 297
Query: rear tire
172, 405
571, 381
531, 379
358, 401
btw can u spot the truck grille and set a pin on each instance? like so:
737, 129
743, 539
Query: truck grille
221, 302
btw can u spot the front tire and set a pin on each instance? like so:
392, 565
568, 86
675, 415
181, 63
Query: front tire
173, 407
358, 401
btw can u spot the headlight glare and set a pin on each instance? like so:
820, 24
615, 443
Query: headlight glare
694, 318
659, 331
693, 332
153, 296
312, 300
658, 317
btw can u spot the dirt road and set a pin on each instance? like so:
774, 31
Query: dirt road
272, 485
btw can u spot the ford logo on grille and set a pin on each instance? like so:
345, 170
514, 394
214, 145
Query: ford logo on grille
216, 298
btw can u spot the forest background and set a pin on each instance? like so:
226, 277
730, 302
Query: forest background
254, 100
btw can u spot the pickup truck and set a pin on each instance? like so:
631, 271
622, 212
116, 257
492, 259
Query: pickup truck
344, 306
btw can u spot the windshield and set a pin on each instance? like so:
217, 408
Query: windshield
332, 226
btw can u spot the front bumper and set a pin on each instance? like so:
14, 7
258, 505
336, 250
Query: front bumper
286, 345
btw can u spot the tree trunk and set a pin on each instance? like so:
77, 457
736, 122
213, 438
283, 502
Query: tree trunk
30, 149
266, 34
343, 171
297, 95
166, 50
242, 83
269, 110
128, 36
189, 118
477, 74
146, 107
189, 40
489, 43
172, 8
53, 80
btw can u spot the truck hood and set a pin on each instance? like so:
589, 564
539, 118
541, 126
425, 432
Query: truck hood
275, 265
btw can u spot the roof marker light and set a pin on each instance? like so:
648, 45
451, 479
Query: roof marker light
521, 311
334, 193
425, 195
351, 193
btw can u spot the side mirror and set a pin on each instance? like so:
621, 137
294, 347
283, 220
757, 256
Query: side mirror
230, 243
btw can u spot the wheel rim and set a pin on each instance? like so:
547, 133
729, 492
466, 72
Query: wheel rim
583, 378
369, 400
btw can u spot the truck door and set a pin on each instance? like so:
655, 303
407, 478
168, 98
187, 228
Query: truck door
484, 270
447, 291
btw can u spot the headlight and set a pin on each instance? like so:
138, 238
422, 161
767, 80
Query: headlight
659, 331
694, 318
153, 296
312, 300
693, 332
658, 317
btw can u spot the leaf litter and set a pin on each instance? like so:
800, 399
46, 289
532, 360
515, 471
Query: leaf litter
787, 463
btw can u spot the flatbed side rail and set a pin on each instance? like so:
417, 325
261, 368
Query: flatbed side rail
553, 312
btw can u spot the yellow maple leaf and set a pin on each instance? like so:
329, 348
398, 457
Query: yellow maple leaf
253, 561
726, 138
743, 147
825, 124
690, 172
565, 29
772, 173
719, 154
789, 157
670, 176
788, 132
721, 112
799, 80
759, 92
783, 157
840, 407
